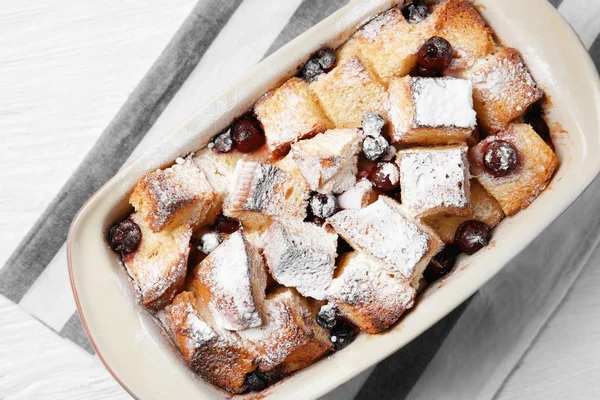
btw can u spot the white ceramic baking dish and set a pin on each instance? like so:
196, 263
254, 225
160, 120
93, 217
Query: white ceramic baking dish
143, 361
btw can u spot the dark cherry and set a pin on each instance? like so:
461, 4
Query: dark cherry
535, 118
248, 135
323, 205
311, 70
500, 158
435, 54
225, 224
125, 237
327, 58
327, 317
224, 142
442, 263
209, 242
428, 73
415, 11
374, 147
256, 381
342, 334
471, 236
372, 124
385, 176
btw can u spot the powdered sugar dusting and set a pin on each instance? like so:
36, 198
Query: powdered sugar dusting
498, 76
434, 178
381, 231
443, 102
358, 196
365, 283
301, 255
160, 262
373, 28
253, 186
173, 188
228, 273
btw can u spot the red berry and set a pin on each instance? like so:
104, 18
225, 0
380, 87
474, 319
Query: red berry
311, 70
326, 57
223, 142
322, 205
248, 135
500, 158
435, 54
415, 11
226, 225
342, 334
125, 237
471, 236
385, 176
442, 263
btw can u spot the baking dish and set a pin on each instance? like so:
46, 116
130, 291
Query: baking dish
127, 339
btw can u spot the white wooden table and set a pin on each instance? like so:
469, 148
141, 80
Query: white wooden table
66, 67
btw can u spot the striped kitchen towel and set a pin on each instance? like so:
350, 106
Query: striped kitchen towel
35, 275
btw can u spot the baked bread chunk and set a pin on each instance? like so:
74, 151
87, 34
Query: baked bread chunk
389, 44
503, 88
367, 294
350, 91
431, 110
290, 113
358, 196
218, 356
459, 23
261, 191
536, 165
301, 255
218, 169
175, 196
159, 265
290, 339
435, 180
230, 285
384, 231
484, 208
329, 161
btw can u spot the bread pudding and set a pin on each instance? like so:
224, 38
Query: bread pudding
324, 210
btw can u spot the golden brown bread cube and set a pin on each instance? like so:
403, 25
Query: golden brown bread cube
218, 169
328, 162
260, 192
434, 180
389, 44
384, 231
484, 208
431, 110
503, 88
459, 23
350, 91
358, 196
368, 295
218, 356
301, 255
290, 339
535, 167
290, 113
230, 285
172, 197
159, 265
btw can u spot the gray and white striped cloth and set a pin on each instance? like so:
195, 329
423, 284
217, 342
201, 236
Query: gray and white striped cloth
38, 265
